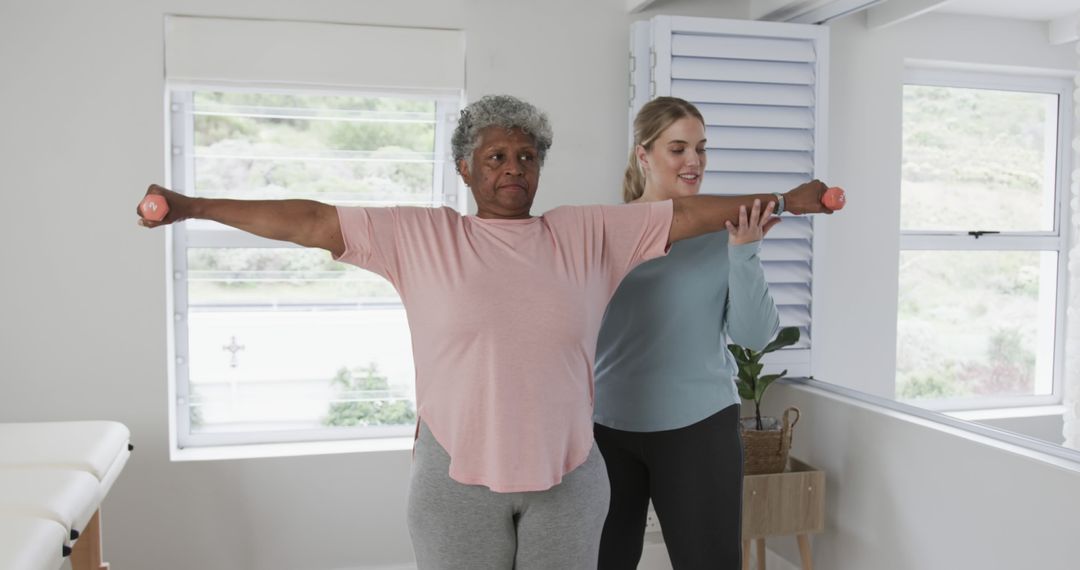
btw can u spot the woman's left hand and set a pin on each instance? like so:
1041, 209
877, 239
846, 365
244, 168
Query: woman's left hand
754, 226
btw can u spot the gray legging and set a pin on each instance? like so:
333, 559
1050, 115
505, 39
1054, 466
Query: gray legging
454, 525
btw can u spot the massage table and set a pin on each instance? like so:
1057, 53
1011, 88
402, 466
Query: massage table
53, 478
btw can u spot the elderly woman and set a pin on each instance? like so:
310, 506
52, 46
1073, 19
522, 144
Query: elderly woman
504, 309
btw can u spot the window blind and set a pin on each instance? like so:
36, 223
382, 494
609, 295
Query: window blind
761, 89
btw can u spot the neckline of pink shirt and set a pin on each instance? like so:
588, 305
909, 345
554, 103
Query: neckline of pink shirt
508, 221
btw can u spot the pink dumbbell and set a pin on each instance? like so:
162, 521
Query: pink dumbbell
834, 198
154, 207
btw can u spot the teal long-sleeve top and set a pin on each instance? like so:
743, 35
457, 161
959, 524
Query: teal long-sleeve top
662, 360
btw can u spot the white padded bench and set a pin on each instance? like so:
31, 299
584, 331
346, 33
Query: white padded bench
53, 478
28, 543
69, 498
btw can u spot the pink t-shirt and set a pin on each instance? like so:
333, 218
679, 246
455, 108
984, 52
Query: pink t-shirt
504, 316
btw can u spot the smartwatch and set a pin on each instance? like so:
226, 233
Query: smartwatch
779, 203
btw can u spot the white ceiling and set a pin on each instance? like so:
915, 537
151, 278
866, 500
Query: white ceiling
1062, 16
1041, 10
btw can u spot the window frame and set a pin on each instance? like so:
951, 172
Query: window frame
179, 140
1056, 240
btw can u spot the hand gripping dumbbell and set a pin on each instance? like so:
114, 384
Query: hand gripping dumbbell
153, 207
834, 199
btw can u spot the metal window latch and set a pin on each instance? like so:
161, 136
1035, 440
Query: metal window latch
978, 233
652, 73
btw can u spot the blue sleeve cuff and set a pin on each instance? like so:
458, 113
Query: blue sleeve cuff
744, 251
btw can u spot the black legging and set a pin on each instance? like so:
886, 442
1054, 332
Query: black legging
694, 477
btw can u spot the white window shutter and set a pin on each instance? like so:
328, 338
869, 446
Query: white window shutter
761, 87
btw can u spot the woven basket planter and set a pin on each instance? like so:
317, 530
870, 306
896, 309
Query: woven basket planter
766, 451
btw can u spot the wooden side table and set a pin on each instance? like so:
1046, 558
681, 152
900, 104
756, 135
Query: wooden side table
792, 502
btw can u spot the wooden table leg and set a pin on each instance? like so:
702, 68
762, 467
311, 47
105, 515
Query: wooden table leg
746, 554
804, 552
86, 555
761, 554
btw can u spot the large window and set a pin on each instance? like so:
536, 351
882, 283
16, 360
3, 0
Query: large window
274, 342
982, 260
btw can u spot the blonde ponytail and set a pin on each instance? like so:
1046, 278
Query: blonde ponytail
633, 184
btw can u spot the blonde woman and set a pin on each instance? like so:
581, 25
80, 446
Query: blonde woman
666, 412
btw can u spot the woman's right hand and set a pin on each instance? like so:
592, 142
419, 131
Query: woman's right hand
754, 226
179, 207
806, 199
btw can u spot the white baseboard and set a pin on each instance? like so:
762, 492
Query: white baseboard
411, 566
773, 561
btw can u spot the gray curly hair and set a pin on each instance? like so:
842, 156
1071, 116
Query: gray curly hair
499, 111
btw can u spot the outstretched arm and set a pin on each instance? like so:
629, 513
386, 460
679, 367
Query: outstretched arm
697, 215
303, 222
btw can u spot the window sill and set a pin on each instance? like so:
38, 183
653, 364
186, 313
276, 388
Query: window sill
1005, 413
1066, 458
292, 449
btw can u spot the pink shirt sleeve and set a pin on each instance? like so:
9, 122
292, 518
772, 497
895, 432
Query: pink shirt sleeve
369, 238
397, 242
634, 233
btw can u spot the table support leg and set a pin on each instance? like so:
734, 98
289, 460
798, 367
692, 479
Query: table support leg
86, 555
804, 552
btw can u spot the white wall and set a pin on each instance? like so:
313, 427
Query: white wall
81, 298
1047, 428
856, 253
903, 493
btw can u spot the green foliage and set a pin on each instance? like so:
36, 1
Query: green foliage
976, 159
749, 381
333, 148
213, 129
417, 137
271, 275
930, 386
967, 323
211, 100
992, 138
261, 259
1006, 367
367, 400
255, 145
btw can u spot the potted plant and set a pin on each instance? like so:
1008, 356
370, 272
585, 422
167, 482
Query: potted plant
766, 441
